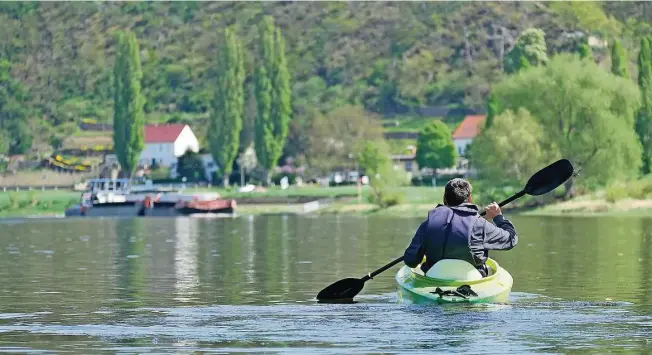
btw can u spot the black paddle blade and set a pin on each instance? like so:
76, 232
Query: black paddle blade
343, 289
549, 178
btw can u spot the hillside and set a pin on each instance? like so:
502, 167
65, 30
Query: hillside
394, 58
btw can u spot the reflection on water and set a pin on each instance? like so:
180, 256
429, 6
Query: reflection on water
185, 260
248, 284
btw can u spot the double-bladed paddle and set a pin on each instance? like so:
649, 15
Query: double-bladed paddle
544, 181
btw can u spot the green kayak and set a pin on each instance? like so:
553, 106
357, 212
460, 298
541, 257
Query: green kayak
415, 287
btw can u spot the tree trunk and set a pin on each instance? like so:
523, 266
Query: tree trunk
225, 180
267, 178
570, 192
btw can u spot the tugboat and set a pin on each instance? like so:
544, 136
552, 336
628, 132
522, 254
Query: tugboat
118, 197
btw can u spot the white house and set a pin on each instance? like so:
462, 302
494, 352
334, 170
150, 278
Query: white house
165, 143
466, 131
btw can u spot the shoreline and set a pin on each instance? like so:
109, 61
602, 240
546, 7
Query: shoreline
337, 201
636, 208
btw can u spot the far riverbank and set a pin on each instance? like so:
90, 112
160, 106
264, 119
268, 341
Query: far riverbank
331, 200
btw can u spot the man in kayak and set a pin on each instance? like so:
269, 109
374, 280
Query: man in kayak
455, 230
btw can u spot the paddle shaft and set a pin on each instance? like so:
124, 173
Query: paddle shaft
398, 260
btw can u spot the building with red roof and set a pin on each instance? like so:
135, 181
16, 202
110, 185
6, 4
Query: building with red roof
166, 142
466, 131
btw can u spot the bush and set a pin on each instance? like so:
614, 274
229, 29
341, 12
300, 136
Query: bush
386, 198
640, 189
615, 193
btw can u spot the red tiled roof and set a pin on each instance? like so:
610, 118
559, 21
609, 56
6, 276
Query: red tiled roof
163, 133
469, 128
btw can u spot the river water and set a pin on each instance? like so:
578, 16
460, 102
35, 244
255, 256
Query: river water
247, 284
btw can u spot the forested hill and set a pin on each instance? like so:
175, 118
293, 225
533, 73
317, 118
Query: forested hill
389, 57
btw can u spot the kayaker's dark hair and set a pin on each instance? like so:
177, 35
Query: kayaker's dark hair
457, 191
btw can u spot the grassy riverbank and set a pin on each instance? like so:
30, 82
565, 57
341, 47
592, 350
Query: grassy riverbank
273, 200
37, 203
416, 203
590, 205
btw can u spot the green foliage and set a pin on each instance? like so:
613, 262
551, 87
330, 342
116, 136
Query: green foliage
128, 115
584, 50
619, 60
615, 193
191, 166
587, 15
637, 189
435, 147
587, 115
509, 151
4, 143
493, 108
644, 117
272, 96
530, 50
228, 106
383, 178
335, 139
389, 58
14, 130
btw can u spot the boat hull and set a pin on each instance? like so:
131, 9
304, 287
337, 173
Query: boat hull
415, 288
156, 209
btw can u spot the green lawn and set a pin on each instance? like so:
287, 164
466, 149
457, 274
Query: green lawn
36, 202
413, 194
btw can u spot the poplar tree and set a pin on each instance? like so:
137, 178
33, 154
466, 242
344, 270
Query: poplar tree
644, 117
128, 115
273, 95
619, 60
228, 105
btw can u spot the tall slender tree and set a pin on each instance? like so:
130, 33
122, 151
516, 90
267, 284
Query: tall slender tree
282, 94
619, 60
272, 82
228, 105
644, 117
128, 115
493, 109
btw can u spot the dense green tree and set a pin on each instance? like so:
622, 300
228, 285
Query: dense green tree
493, 109
510, 150
128, 115
13, 115
374, 159
4, 143
335, 139
592, 120
272, 96
584, 50
228, 105
264, 131
191, 167
530, 50
435, 147
619, 60
644, 117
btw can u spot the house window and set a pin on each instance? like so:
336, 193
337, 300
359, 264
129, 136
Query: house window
408, 166
160, 147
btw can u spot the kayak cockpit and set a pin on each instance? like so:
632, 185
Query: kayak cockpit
456, 271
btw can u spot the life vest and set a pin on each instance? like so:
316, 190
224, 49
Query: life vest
448, 235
